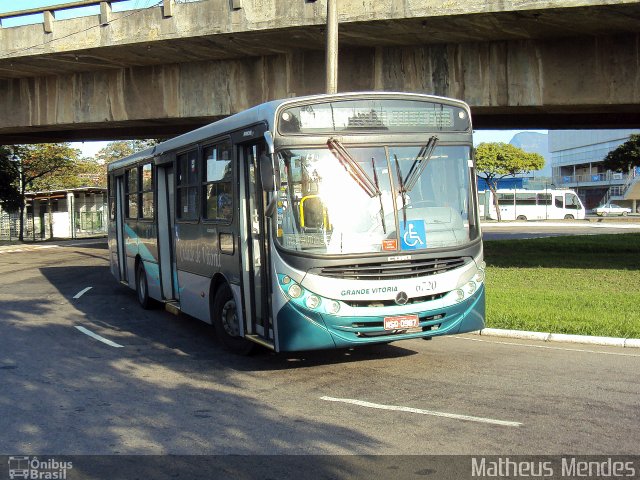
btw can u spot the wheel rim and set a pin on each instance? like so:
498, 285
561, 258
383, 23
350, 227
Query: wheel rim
230, 319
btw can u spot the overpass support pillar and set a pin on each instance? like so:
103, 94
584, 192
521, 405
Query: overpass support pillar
105, 13
167, 8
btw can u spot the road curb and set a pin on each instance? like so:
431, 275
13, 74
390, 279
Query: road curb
560, 337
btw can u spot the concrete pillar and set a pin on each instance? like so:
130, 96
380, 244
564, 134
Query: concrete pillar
70, 214
332, 46
105, 13
49, 19
167, 8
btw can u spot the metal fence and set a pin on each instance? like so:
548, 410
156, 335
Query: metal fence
52, 225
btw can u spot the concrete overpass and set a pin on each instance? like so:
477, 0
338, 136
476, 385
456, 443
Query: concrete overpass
163, 70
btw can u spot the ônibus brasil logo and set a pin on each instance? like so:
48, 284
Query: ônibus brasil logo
33, 468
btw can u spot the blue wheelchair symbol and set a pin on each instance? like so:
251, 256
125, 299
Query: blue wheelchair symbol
412, 235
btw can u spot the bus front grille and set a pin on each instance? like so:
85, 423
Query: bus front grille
392, 303
394, 270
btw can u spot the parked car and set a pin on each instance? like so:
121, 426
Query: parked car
611, 209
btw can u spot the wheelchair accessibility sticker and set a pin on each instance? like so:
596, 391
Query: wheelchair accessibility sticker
412, 235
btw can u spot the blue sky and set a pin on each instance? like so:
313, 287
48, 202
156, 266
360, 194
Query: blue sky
14, 5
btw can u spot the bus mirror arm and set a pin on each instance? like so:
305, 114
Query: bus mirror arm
268, 212
269, 139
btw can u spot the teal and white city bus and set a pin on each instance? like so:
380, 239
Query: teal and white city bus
309, 223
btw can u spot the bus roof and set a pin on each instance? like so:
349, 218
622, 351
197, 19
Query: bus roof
264, 112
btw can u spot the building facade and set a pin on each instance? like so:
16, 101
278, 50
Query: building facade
577, 162
70, 213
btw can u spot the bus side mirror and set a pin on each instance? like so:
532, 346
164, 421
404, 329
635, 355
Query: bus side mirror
266, 173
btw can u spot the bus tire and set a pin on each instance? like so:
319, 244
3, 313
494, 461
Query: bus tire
142, 288
568, 216
226, 322
521, 217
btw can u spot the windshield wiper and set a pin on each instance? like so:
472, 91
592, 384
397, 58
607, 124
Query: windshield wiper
375, 179
352, 167
419, 164
403, 191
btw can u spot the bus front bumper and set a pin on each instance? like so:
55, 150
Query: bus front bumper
302, 329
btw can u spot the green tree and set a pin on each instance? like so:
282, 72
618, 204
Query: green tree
625, 157
116, 150
83, 173
36, 163
495, 161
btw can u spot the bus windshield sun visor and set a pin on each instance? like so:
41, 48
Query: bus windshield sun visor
419, 164
352, 167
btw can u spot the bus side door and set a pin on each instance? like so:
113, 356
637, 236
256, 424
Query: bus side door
255, 235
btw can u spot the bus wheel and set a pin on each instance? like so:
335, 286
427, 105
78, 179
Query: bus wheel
227, 324
568, 216
521, 217
142, 289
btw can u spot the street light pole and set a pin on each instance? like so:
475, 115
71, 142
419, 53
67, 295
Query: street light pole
332, 46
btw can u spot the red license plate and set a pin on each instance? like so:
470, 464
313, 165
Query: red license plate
401, 322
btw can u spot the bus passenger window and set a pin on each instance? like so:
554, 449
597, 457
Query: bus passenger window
559, 203
132, 193
146, 192
217, 186
187, 189
571, 201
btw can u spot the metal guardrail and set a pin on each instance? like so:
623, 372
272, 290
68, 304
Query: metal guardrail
54, 8
590, 178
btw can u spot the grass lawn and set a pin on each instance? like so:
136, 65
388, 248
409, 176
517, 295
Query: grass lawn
587, 285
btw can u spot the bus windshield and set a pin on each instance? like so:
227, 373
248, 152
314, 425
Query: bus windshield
353, 199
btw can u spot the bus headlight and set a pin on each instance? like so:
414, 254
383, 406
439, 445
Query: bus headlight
295, 291
470, 288
312, 301
459, 293
479, 277
332, 307
307, 299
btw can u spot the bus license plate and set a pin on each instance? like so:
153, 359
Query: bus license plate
401, 322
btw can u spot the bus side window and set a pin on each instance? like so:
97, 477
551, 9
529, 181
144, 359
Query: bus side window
187, 189
571, 201
217, 182
559, 203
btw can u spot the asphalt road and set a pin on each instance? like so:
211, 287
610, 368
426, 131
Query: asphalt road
171, 388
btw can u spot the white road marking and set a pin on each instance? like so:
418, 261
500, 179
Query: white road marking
455, 416
82, 292
98, 337
545, 346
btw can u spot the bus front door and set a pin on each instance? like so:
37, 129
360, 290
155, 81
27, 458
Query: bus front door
255, 264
